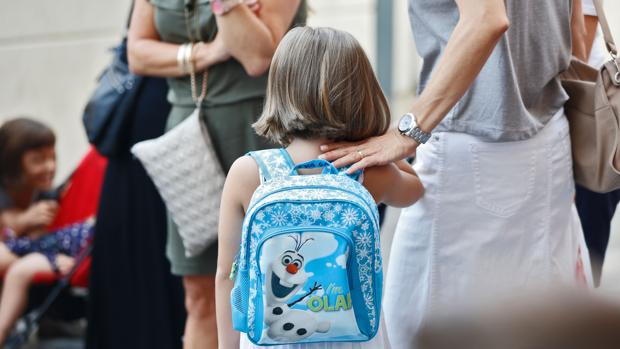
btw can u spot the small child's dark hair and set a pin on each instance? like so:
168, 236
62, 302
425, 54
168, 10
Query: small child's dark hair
17, 136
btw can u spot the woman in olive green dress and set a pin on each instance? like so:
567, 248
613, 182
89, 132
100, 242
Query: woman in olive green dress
235, 47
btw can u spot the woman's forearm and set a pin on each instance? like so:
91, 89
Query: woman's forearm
578, 32
156, 58
481, 25
153, 58
148, 55
242, 34
252, 39
228, 338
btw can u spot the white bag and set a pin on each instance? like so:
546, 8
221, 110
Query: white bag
188, 175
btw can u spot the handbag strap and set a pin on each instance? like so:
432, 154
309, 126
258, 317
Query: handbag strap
609, 39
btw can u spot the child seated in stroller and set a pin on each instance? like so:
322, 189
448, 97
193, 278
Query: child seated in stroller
27, 207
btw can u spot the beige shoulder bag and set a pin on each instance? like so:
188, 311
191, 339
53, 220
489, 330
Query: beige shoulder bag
186, 171
593, 112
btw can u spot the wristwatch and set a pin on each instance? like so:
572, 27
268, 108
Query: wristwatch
408, 126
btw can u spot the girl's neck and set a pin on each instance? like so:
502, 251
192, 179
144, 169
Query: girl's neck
302, 150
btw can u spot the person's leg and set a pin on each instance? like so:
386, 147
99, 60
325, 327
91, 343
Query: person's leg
596, 211
6, 258
200, 327
15, 291
198, 274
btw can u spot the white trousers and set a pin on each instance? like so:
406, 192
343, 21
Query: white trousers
494, 217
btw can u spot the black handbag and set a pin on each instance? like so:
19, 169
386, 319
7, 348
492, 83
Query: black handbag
109, 109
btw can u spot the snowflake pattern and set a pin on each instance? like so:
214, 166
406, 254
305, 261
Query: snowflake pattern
316, 214
363, 253
296, 211
364, 241
326, 200
329, 216
260, 216
278, 218
349, 216
276, 162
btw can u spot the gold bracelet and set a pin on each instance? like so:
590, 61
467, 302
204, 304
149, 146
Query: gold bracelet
187, 59
181, 58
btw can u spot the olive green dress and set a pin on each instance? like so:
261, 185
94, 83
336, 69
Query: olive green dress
234, 101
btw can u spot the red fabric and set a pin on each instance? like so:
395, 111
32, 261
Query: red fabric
81, 199
79, 202
80, 279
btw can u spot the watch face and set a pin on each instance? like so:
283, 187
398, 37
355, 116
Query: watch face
405, 123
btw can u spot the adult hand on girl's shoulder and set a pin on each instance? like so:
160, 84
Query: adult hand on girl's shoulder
375, 151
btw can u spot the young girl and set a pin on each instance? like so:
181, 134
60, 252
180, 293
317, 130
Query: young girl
321, 88
27, 169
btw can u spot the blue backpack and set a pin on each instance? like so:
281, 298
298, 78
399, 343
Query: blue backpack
309, 266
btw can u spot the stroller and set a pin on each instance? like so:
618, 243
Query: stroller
78, 200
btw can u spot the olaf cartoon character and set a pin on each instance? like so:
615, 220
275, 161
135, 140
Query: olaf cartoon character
285, 276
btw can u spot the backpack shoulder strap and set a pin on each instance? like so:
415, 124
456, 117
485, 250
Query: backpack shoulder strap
272, 163
357, 176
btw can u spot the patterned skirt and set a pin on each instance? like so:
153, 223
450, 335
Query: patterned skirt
69, 241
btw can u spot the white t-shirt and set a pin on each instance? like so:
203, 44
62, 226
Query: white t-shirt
598, 54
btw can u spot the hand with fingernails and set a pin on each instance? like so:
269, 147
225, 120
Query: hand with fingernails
375, 151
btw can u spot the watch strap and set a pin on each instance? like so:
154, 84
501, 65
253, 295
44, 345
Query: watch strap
415, 132
418, 135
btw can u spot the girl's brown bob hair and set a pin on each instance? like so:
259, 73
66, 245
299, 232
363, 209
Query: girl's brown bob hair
18, 136
321, 85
